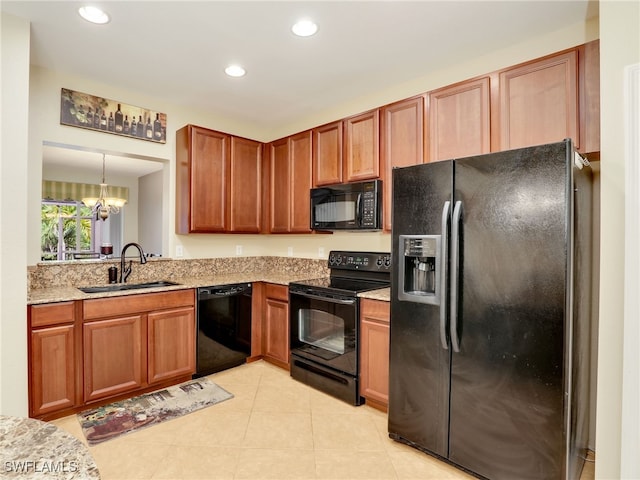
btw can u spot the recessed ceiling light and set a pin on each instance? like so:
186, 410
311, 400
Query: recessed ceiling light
235, 71
304, 28
94, 15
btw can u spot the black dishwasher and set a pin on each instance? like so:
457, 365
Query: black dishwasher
224, 327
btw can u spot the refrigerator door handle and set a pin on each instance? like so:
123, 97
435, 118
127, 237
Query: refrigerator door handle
444, 245
455, 256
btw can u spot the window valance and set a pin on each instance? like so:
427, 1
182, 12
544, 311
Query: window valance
65, 191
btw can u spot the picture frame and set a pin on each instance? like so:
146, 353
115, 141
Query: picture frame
91, 112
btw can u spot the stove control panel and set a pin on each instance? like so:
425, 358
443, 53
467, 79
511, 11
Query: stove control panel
367, 261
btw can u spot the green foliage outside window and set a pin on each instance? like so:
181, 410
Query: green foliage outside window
65, 228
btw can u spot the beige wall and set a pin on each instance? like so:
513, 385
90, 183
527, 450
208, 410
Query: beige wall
619, 47
13, 228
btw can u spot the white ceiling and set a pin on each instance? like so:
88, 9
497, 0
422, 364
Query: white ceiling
178, 49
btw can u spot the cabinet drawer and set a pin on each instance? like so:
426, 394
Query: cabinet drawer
375, 310
279, 292
51, 314
125, 305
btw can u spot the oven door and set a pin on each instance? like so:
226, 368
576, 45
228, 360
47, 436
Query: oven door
324, 329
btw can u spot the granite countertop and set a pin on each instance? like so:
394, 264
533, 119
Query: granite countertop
383, 294
63, 294
35, 449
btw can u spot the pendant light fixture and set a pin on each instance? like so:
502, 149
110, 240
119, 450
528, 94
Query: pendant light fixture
104, 205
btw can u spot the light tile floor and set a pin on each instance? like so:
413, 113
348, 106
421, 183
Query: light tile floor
273, 428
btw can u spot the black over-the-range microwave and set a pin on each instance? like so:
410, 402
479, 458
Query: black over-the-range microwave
350, 206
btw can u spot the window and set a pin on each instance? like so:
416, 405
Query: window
69, 230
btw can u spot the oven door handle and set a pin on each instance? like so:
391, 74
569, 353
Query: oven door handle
326, 299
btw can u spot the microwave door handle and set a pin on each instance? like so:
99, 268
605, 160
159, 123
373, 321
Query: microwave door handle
359, 210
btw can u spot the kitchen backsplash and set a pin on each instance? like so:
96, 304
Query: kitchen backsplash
93, 272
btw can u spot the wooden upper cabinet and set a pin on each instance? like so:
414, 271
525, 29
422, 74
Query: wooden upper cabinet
539, 102
589, 78
327, 154
401, 144
245, 193
459, 120
202, 165
361, 147
279, 194
300, 172
218, 182
289, 184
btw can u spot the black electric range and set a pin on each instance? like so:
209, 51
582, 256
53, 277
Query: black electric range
324, 320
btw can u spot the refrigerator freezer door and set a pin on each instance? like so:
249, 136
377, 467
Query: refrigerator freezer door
419, 365
508, 380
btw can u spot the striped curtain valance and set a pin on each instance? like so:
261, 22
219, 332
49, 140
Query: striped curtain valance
64, 191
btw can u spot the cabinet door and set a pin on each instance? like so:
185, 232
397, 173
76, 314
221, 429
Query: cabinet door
327, 154
209, 168
459, 120
374, 352
53, 373
170, 344
276, 328
402, 144
589, 62
114, 356
300, 181
361, 151
245, 194
280, 199
539, 102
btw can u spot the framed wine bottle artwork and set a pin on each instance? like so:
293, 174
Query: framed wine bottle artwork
82, 110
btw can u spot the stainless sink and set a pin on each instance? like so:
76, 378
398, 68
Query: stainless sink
117, 287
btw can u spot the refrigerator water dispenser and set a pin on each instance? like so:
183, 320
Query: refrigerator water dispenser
419, 268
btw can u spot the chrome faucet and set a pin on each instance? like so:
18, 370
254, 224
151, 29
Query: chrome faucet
125, 271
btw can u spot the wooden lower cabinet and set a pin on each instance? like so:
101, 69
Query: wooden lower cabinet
374, 352
54, 367
133, 342
276, 324
170, 344
113, 357
99, 350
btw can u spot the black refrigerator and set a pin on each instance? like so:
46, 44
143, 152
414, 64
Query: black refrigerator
490, 311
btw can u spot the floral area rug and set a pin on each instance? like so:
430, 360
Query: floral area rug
115, 419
